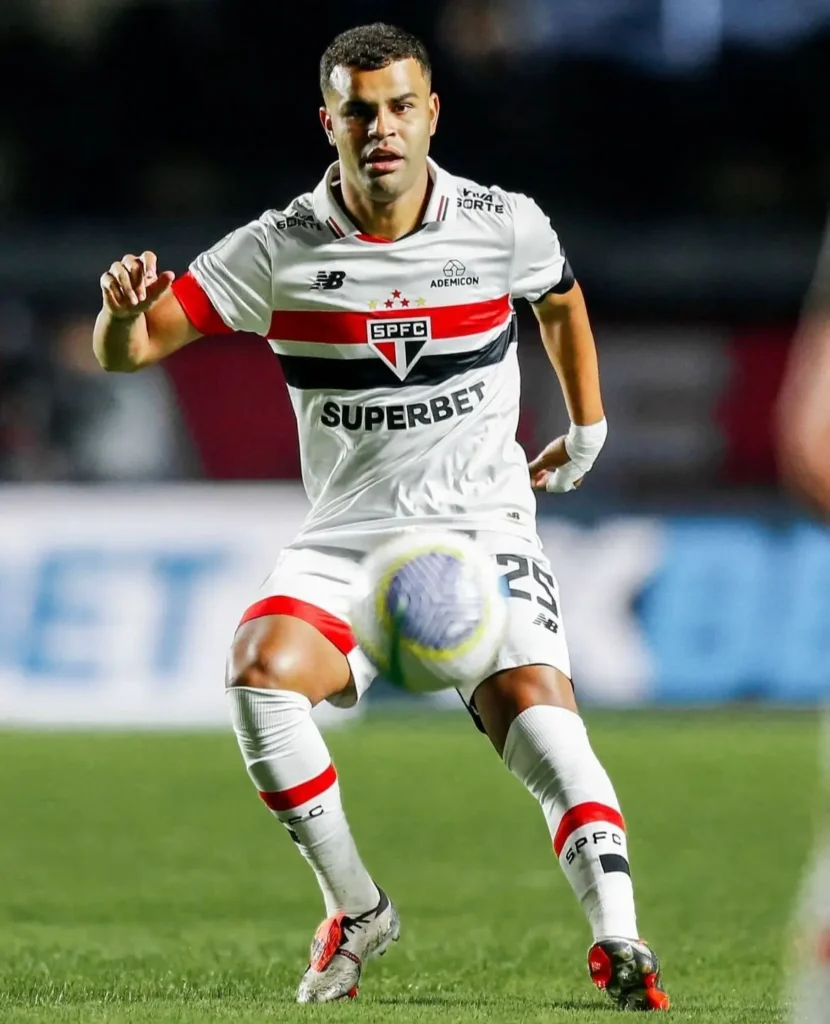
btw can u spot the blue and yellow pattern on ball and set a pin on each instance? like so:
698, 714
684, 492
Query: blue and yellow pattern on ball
429, 611
432, 607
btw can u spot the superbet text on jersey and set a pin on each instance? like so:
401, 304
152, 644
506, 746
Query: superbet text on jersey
400, 357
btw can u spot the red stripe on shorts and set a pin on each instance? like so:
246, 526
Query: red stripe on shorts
584, 814
333, 629
285, 799
198, 307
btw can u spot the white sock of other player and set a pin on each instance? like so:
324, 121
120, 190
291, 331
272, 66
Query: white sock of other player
549, 750
289, 763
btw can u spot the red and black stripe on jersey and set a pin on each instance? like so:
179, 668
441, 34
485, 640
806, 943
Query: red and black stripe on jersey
325, 330
310, 373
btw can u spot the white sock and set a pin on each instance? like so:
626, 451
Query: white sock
548, 749
289, 763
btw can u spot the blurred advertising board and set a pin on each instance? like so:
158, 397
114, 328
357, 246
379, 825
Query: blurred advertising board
117, 605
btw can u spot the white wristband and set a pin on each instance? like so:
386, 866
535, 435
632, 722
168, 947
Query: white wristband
583, 444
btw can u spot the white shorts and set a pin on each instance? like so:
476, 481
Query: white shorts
315, 584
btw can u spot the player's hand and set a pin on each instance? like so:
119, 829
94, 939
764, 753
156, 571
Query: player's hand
550, 459
563, 464
133, 284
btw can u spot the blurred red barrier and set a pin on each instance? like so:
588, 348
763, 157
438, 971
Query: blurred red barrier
235, 403
745, 413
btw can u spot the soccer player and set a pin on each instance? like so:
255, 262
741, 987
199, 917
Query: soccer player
387, 294
803, 434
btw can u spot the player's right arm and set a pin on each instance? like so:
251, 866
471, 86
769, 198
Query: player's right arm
146, 316
141, 320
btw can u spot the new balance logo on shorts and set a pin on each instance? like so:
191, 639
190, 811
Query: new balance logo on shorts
548, 623
329, 280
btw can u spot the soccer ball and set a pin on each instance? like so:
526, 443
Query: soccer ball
430, 611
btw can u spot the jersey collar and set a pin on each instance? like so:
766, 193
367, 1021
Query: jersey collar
442, 204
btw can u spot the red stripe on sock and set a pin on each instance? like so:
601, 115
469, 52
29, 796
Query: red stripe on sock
584, 814
333, 629
285, 799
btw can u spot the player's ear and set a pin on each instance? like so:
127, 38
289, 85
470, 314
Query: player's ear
325, 121
434, 111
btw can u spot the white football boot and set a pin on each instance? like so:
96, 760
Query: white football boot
341, 946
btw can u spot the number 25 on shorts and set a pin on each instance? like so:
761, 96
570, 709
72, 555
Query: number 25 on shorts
542, 582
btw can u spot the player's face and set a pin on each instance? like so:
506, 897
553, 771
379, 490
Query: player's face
381, 122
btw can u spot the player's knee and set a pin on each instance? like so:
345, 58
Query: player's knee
505, 695
257, 670
277, 653
263, 663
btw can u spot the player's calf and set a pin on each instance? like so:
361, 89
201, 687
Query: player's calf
530, 715
276, 670
546, 745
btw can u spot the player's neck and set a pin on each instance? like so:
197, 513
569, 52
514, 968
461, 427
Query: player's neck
389, 220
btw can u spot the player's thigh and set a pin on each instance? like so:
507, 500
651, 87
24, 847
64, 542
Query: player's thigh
533, 666
282, 652
296, 636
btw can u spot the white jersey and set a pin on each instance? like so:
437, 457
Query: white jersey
400, 357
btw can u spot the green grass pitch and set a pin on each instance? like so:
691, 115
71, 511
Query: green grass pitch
142, 880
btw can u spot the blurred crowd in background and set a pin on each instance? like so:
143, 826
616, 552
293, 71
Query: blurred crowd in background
681, 148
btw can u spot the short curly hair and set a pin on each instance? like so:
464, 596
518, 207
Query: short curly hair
371, 47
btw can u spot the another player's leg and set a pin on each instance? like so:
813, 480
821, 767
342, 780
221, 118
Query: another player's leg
531, 717
811, 983
808, 967
279, 668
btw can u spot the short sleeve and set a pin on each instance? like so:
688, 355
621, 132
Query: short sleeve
232, 283
539, 262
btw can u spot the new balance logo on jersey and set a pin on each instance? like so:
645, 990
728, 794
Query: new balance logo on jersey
400, 341
550, 624
455, 274
329, 280
403, 417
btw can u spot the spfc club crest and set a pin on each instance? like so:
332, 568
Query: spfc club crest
399, 341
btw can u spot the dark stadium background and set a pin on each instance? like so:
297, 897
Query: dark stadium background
688, 186
682, 150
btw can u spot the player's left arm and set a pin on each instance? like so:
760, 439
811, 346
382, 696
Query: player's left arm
569, 343
541, 274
